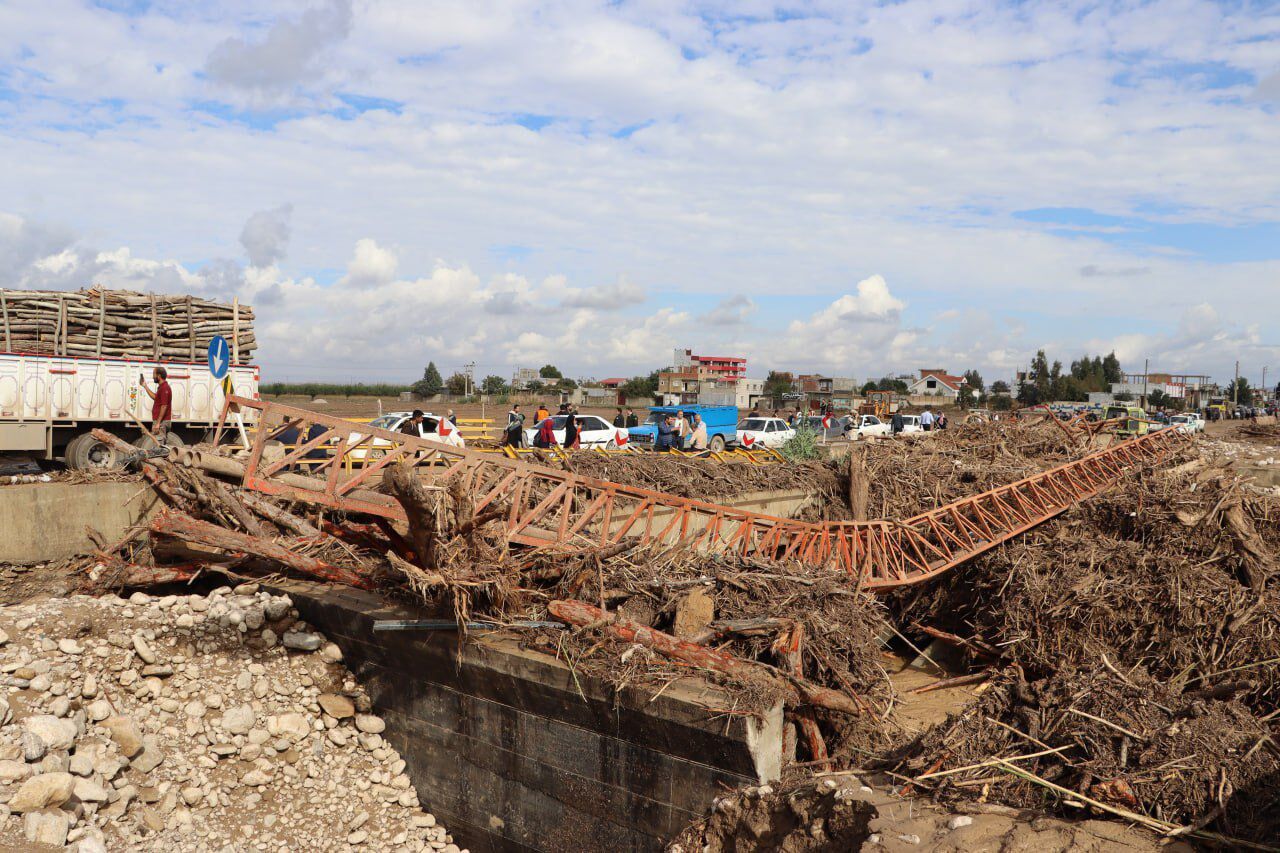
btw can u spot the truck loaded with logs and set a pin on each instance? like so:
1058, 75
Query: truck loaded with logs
72, 362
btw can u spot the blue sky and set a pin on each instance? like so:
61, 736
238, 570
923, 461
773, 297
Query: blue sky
853, 187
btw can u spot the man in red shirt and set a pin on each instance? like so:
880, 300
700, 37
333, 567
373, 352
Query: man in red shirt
161, 404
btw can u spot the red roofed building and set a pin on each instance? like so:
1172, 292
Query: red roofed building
721, 368
936, 383
614, 383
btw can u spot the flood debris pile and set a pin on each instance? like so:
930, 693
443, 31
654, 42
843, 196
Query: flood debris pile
1135, 652
192, 722
698, 479
1125, 652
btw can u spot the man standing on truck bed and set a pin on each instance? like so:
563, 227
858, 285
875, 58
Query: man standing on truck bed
161, 403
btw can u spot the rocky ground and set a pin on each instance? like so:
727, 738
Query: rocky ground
186, 723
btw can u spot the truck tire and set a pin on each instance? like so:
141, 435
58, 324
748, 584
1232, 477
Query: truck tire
86, 453
716, 444
146, 442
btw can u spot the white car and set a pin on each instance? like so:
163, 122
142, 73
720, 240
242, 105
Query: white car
764, 432
592, 432
910, 423
1186, 423
376, 448
867, 426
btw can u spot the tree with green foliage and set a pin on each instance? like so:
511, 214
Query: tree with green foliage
973, 379
641, 387
966, 397
1001, 403
897, 385
1000, 387
550, 371
457, 383
777, 383
1111, 371
535, 385
430, 384
868, 388
1240, 393
493, 385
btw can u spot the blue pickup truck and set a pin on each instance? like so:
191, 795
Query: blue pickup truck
721, 421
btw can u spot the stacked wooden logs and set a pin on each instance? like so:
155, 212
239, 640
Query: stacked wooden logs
105, 323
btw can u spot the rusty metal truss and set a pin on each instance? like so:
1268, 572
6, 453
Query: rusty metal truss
545, 506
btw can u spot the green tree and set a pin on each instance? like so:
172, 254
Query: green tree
640, 387
1240, 393
550, 371
1111, 371
973, 379
535, 385
777, 383
457, 383
966, 397
868, 387
566, 383
430, 384
1158, 399
1000, 387
1001, 404
887, 384
493, 385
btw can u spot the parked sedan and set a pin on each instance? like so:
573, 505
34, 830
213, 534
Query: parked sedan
592, 432
866, 426
911, 423
834, 427
764, 432
376, 448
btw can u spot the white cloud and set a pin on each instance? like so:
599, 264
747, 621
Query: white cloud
371, 265
266, 235
730, 311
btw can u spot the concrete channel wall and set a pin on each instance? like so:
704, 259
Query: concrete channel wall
41, 522
517, 752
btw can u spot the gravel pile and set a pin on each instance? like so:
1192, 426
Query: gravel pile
187, 723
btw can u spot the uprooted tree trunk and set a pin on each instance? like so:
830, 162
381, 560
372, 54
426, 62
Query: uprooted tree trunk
179, 525
581, 614
859, 484
422, 505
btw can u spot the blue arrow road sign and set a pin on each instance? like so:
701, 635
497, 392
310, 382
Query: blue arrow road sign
219, 356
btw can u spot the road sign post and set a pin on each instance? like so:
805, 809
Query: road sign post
219, 356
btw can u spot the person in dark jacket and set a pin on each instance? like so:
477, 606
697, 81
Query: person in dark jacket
571, 431
666, 434
896, 423
515, 426
413, 424
632, 419
619, 420
546, 436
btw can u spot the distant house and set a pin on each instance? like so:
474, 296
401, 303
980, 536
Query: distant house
936, 383
614, 383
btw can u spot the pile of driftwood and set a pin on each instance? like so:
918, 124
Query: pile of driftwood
121, 324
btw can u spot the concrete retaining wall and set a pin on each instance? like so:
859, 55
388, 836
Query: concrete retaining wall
45, 521
516, 752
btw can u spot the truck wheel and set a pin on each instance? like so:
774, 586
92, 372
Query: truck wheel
146, 442
716, 444
86, 453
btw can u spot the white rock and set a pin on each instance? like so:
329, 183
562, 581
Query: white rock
331, 653
292, 727
185, 620
143, 648
959, 821
303, 641
47, 827
99, 710
70, 647
239, 720
195, 709
6, 713
46, 790
370, 724
87, 791
13, 771
56, 733
33, 747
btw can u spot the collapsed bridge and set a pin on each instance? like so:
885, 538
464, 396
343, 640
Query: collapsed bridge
546, 506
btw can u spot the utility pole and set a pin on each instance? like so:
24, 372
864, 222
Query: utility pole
1235, 387
1265, 393
1146, 369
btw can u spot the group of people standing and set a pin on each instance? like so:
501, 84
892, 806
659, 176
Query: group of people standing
678, 432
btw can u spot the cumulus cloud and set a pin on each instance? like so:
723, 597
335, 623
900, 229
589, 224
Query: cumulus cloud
371, 265
731, 311
287, 55
610, 297
266, 235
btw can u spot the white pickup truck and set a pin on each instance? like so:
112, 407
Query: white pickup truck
49, 403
